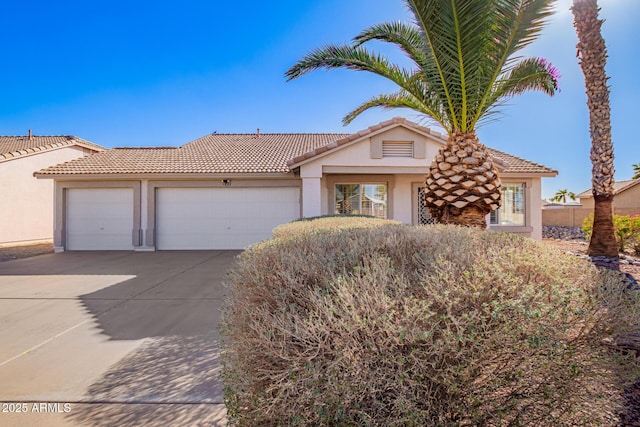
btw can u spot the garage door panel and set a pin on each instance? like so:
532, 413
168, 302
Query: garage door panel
99, 219
221, 218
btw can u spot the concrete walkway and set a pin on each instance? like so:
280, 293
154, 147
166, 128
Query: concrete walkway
112, 338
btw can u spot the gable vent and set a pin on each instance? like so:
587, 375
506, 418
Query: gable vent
397, 148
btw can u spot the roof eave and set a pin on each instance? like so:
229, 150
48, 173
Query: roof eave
32, 151
353, 139
162, 176
515, 174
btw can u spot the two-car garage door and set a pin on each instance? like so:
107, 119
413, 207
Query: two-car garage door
185, 218
221, 218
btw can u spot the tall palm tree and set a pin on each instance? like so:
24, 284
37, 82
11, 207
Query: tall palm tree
561, 195
593, 58
463, 67
636, 171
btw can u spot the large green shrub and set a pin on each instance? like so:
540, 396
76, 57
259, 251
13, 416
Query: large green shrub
626, 229
422, 326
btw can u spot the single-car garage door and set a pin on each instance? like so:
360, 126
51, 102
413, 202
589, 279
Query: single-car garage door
221, 218
99, 219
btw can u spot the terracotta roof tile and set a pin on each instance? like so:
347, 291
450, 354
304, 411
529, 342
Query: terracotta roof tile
515, 164
216, 153
17, 146
243, 153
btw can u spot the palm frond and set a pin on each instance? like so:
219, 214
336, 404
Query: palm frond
531, 74
516, 24
461, 36
401, 99
360, 59
349, 57
463, 52
406, 37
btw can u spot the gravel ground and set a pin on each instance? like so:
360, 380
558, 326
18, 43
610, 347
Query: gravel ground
16, 252
577, 246
630, 416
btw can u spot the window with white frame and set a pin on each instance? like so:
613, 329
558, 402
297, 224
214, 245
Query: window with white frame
361, 199
512, 211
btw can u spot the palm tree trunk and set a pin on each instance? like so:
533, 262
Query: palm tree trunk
463, 184
593, 58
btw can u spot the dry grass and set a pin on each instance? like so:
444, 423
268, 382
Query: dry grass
330, 222
400, 325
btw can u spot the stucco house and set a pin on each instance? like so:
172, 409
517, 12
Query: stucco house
226, 191
26, 204
626, 200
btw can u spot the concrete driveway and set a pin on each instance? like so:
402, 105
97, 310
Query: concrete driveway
112, 338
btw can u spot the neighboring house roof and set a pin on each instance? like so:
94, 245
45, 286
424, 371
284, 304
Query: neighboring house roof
12, 147
618, 187
245, 153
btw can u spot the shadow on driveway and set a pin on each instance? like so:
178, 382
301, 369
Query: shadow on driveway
174, 378
169, 381
166, 304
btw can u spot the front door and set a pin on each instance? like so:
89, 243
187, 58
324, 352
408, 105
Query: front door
421, 214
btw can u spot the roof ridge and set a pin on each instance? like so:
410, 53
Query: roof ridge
277, 133
17, 146
628, 183
146, 148
68, 137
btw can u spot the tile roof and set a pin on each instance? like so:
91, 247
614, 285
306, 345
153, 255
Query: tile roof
514, 164
618, 187
507, 163
17, 146
243, 153
216, 153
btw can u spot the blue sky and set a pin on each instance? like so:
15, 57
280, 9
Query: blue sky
142, 73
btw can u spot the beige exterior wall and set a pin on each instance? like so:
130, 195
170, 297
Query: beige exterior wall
406, 200
401, 175
573, 217
628, 199
567, 217
626, 202
26, 205
587, 203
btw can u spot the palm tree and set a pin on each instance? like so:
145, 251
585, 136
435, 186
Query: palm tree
593, 58
561, 195
636, 171
464, 66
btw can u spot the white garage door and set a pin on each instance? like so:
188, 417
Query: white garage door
221, 218
99, 219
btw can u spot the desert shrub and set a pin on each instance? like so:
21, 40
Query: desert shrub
626, 229
343, 222
420, 326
